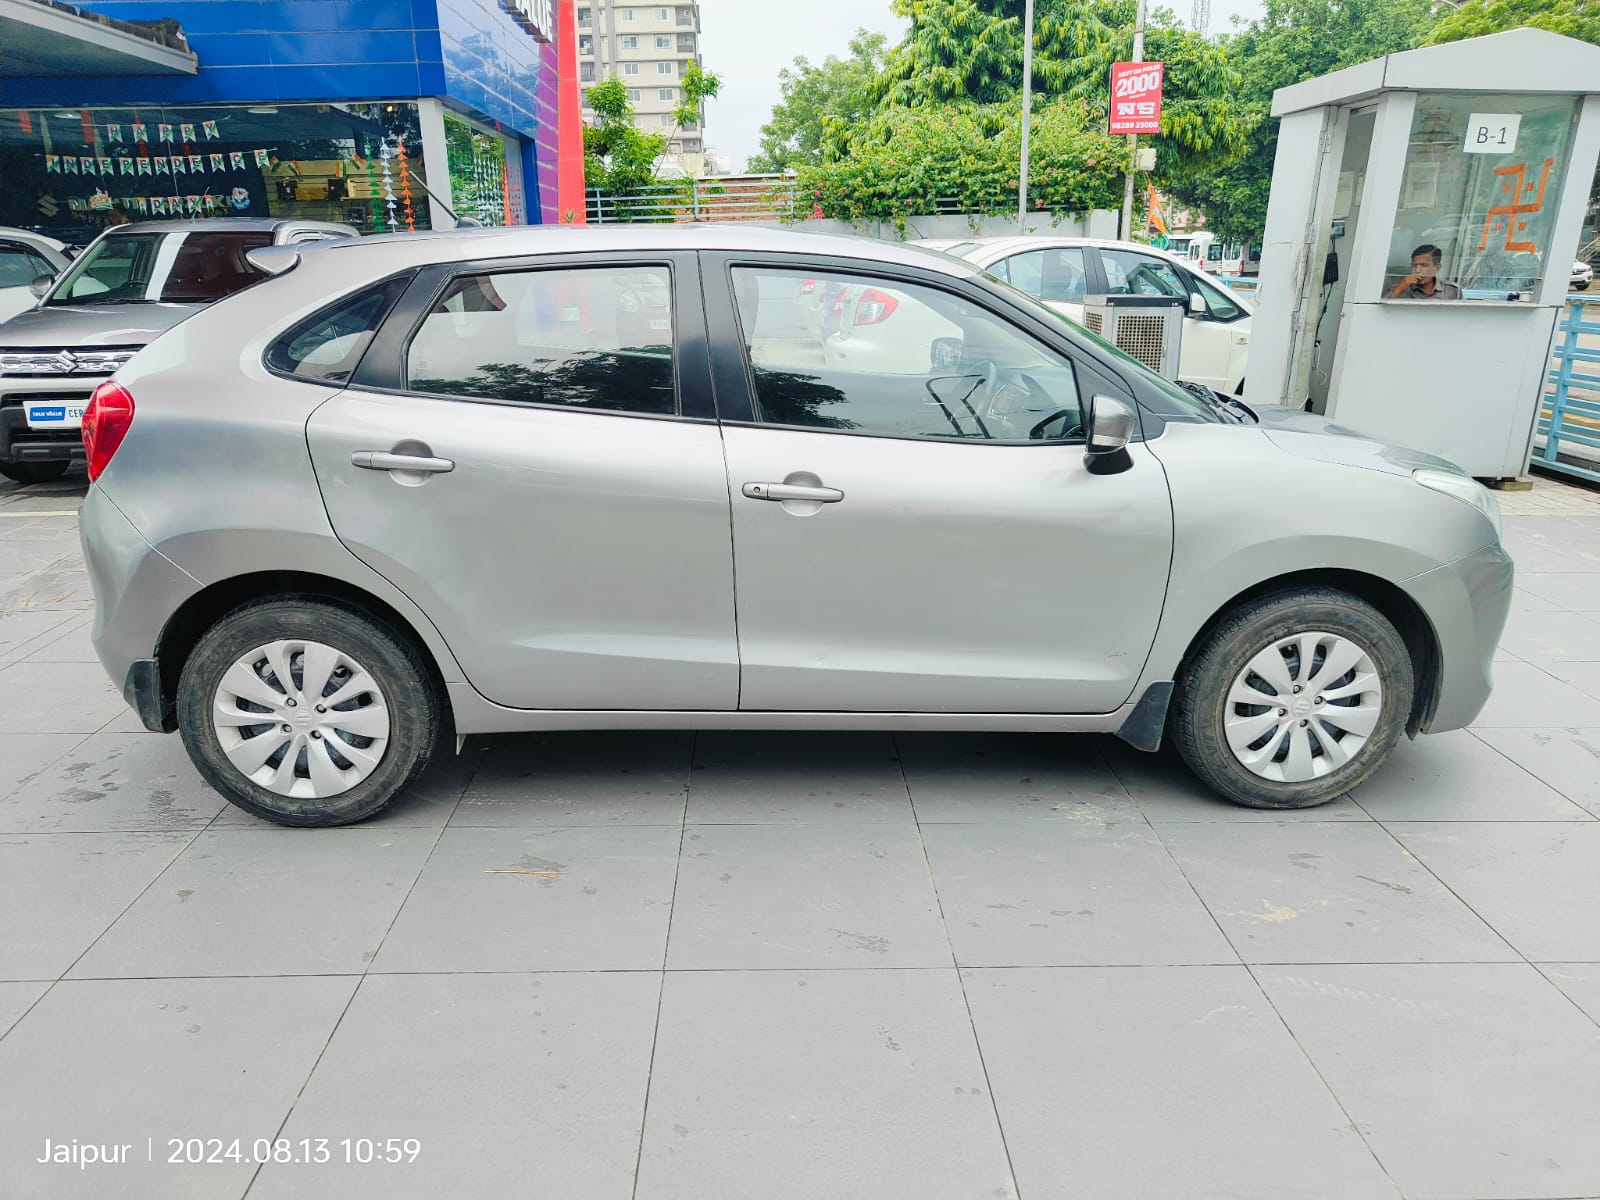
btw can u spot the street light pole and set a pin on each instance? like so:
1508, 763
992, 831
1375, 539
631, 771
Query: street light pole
1133, 138
1027, 114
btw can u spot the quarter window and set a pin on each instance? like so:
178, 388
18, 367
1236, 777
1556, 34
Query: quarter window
857, 354
327, 347
592, 338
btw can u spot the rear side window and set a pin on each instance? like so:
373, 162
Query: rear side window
327, 346
596, 338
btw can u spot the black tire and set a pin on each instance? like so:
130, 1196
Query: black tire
390, 657
35, 472
1580, 287
1200, 704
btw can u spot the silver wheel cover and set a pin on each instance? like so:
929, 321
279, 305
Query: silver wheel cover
1303, 707
301, 719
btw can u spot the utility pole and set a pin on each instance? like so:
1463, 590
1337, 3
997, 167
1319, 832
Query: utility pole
1027, 112
1133, 138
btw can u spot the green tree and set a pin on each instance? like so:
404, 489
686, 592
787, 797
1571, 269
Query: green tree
907, 161
837, 90
619, 158
1293, 40
697, 86
1571, 18
972, 50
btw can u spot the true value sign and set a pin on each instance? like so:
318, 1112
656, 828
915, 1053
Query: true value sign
1136, 97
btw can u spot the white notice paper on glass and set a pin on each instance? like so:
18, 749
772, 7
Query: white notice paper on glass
1492, 133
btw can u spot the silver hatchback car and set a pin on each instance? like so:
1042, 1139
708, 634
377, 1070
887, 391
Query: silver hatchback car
576, 479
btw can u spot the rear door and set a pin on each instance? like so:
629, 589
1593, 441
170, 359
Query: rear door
529, 453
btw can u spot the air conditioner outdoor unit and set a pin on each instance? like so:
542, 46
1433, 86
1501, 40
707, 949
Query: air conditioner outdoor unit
1149, 328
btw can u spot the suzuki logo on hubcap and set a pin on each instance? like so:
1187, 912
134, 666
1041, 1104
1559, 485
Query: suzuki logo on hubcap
1301, 707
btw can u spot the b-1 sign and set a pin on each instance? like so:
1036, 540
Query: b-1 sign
1136, 97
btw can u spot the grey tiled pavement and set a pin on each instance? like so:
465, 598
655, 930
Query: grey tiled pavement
723, 965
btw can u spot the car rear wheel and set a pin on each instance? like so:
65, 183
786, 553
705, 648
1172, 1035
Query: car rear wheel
34, 472
1293, 699
306, 712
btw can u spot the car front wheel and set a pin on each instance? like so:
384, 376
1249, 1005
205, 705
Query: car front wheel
1293, 699
306, 712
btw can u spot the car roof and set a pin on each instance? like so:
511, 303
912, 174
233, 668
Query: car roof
532, 240
12, 233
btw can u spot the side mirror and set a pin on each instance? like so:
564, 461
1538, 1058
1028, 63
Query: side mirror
947, 353
1197, 304
40, 285
1112, 424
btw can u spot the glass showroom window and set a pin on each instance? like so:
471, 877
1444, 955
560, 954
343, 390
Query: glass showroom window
1478, 197
73, 173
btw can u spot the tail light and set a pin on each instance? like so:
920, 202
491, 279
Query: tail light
105, 424
874, 307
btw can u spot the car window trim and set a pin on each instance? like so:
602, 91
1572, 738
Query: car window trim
692, 400
935, 280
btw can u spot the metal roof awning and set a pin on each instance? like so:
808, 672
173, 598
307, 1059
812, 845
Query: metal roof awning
45, 37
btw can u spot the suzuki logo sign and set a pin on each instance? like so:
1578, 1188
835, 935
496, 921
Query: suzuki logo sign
536, 16
1136, 97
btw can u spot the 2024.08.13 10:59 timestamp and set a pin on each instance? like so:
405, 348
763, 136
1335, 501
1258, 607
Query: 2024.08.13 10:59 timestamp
294, 1150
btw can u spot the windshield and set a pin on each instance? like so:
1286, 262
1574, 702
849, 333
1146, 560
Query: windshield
1180, 402
190, 267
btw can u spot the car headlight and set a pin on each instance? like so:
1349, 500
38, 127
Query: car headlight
1468, 491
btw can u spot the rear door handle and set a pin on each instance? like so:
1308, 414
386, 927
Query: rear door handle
382, 460
791, 491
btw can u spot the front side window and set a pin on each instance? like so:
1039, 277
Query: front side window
179, 268
1219, 305
898, 359
20, 266
591, 338
1050, 275
1132, 274
326, 347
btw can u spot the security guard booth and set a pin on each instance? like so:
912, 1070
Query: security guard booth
1424, 215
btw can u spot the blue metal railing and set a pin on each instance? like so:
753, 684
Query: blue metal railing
1569, 422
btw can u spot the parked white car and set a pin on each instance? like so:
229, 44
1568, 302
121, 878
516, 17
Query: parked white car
24, 256
1582, 275
1061, 271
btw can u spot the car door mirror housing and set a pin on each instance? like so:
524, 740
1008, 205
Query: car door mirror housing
1112, 424
947, 353
1197, 304
40, 285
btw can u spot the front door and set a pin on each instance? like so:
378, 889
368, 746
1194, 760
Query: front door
914, 529
529, 470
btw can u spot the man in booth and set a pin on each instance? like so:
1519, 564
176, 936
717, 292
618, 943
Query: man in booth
1424, 283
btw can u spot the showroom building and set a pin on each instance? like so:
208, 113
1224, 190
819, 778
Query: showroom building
389, 115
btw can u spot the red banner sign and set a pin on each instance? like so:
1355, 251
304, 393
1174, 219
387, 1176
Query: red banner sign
1136, 97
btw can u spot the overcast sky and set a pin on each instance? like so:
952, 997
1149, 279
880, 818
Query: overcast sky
747, 41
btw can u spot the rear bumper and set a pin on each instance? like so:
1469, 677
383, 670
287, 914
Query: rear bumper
136, 589
1466, 602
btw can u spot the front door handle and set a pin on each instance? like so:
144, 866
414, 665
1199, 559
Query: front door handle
791, 491
382, 460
